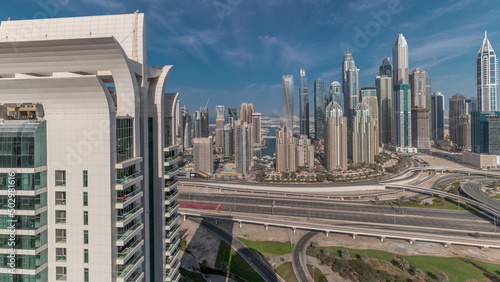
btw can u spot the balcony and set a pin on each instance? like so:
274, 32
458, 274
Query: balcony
170, 224
124, 274
126, 218
171, 210
170, 173
170, 248
172, 276
129, 251
129, 234
172, 235
137, 276
170, 198
125, 200
174, 262
171, 161
171, 148
123, 183
171, 185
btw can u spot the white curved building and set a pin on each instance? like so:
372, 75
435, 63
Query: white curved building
106, 130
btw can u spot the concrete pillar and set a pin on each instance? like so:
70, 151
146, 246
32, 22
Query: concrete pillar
382, 239
184, 218
267, 227
412, 241
240, 224
326, 232
294, 229
354, 236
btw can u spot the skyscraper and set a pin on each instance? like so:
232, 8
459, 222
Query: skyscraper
486, 132
246, 111
402, 115
421, 128
437, 116
256, 131
460, 109
364, 131
400, 59
219, 127
228, 141
335, 138
305, 152
320, 102
201, 123
486, 77
384, 88
385, 67
185, 128
369, 97
203, 155
420, 89
100, 204
285, 150
242, 147
336, 94
287, 96
232, 115
304, 104
350, 84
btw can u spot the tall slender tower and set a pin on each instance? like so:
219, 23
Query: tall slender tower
320, 102
350, 82
384, 88
287, 96
437, 116
363, 135
400, 59
402, 115
219, 127
335, 138
386, 67
304, 104
486, 77
336, 94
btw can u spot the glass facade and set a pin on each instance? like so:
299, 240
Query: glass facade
25, 181
42, 276
28, 222
26, 202
320, 102
26, 261
124, 138
23, 145
25, 242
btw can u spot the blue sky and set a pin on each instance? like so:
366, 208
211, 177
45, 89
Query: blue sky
235, 51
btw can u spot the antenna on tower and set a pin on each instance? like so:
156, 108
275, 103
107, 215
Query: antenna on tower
206, 105
485, 34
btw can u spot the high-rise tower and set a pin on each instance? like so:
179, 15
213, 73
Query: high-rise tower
364, 131
437, 111
400, 59
304, 104
287, 98
486, 77
350, 84
402, 115
320, 102
219, 127
384, 88
335, 138
385, 67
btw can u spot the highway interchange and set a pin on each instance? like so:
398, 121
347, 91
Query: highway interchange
390, 217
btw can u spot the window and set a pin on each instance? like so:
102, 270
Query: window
86, 218
60, 178
60, 254
86, 255
85, 198
61, 198
85, 178
61, 273
86, 274
60, 217
60, 235
85, 236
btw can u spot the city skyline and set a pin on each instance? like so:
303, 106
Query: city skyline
240, 53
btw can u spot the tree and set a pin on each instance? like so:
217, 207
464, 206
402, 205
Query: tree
331, 177
285, 175
320, 178
345, 254
443, 277
364, 258
403, 264
420, 274
293, 175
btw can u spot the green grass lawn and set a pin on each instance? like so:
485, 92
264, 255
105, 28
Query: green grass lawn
195, 276
454, 267
237, 265
497, 196
285, 270
317, 273
268, 248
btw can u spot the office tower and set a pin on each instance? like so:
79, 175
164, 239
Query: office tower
197, 124
420, 89
305, 152
304, 104
246, 111
204, 127
335, 138
320, 102
242, 147
350, 84
384, 88
185, 128
402, 115
486, 132
365, 147
232, 115
385, 67
203, 155
287, 96
437, 112
369, 97
400, 59
91, 162
257, 128
219, 127
486, 77
228, 141
460, 109
421, 124
285, 150
336, 94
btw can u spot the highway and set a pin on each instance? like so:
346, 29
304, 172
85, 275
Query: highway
253, 259
473, 190
446, 220
299, 263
